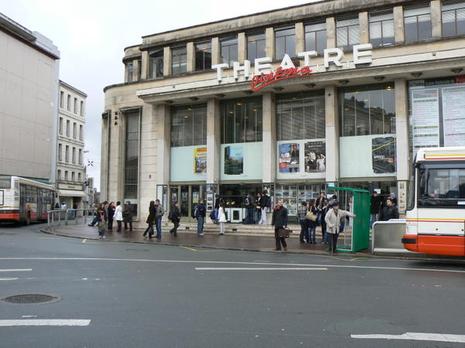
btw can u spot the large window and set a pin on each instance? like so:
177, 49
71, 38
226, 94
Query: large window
74, 130
179, 60
67, 153
131, 163
228, 50
129, 72
155, 64
417, 24
285, 42
188, 125
315, 37
367, 110
382, 28
241, 120
439, 186
453, 18
255, 46
348, 33
300, 116
62, 97
60, 126
203, 55
60, 152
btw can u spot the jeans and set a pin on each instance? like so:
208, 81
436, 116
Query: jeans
174, 230
149, 230
110, 224
263, 217
158, 226
324, 238
311, 233
303, 231
200, 222
119, 222
279, 240
126, 223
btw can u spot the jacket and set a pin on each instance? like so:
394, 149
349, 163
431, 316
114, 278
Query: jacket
333, 220
118, 216
388, 213
159, 211
151, 217
200, 211
279, 218
221, 215
174, 214
110, 213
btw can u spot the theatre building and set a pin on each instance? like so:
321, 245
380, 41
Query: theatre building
291, 100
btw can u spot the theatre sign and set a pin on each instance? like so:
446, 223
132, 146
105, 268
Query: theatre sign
264, 74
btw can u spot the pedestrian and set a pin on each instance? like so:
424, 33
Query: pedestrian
258, 209
322, 208
110, 214
375, 206
333, 222
302, 214
174, 216
199, 213
221, 218
127, 216
101, 221
265, 204
159, 212
150, 220
249, 206
95, 219
118, 216
389, 211
311, 217
279, 221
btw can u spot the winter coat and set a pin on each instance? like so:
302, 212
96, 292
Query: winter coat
279, 218
174, 214
159, 211
151, 217
333, 220
388, 213
118, 216
221, 215
110, 213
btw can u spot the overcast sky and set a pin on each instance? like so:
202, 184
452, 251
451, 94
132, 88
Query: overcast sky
91, 36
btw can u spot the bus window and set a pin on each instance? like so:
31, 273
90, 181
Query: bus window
441, 187
5, 182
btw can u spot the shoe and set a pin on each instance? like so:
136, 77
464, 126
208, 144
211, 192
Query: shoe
277, 249
221, 234
302, 242
201, 234
285, 248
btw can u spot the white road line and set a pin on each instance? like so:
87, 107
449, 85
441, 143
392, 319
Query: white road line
259, 269
16, 270
8, 278
93, 259
416, 336
45, 322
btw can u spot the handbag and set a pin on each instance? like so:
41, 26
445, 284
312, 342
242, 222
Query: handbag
310, 216
284, 232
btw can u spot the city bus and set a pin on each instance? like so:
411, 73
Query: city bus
24, 200
436, 213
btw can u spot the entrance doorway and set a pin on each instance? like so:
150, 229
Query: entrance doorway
188, 196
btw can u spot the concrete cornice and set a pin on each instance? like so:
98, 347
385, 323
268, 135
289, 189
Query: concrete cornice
72, 88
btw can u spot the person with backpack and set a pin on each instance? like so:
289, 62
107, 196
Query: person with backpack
174, 217
199, 213
159, 212
150, 220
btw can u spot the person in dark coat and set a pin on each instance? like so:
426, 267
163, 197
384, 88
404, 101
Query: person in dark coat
174, 216
150, 220
279, 221
375, 206
127, 216
110, 213
389, 211
199, 213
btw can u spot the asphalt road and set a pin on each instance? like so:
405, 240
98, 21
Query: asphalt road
163, 296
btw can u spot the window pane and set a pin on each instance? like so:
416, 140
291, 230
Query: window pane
342, 38
241, 120
229, 50
424, 27
131, 155
203, 56
321, 41
280, 47
354, 35
290, 46
375, 31
388, 32
410, 28
310, 41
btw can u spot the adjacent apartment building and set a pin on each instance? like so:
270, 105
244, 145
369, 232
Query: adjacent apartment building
71, 169
337, 92
29, 67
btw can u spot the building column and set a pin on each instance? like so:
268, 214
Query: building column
213, 141
299, 38
216, 54
364, 27
402, 144
331, 134
136, 70
330, 32
163, 143
269, 138
269, 43
190, 57
144, 69
399, 35
436, 18
116, 157
166, 61
105, 160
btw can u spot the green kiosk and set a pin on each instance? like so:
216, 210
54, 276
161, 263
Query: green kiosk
356, 233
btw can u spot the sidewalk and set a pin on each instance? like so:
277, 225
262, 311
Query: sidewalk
229, 241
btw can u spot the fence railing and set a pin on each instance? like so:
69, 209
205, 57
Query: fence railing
60, 217
387, 236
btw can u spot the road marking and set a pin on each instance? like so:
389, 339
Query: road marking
259, 269
84, 240
187, 248
16, 270
93, 259
29, 316
45, 322
8, 278
416, 336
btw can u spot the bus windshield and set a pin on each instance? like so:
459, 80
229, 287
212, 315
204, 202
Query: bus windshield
5, 182
441, 187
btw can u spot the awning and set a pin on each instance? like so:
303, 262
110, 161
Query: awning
71, 193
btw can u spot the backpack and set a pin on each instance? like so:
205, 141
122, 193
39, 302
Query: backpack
214, 214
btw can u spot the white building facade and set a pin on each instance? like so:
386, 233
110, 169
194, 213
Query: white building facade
71, 169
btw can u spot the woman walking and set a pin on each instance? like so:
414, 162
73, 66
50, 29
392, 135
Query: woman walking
333, 222
118, 216
221, 218
150, 220
279, 221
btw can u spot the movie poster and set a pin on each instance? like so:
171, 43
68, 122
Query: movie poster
200, 160
289, 158
315, 157
233, 160
384, 155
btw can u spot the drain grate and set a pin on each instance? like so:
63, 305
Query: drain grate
31, 298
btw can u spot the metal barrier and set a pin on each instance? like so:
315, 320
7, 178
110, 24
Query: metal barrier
387, 235
60, 217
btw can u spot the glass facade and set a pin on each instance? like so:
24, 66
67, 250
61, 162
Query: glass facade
241, 120
453, 18
417, 24
228, 50
255, 46
156, 64
367, 110
381, 28
203, 56
188, 125
179, 60
131, 158
300, 116
315, 37
284, 42
347, 33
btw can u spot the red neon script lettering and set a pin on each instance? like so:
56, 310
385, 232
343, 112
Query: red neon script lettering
261, 81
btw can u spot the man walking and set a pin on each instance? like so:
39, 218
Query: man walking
265, 204
159, 212
174, 217
279, 221
199, 213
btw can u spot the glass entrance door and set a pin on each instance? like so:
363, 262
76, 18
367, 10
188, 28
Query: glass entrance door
187, 196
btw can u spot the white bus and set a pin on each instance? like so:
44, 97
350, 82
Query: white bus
24, 200
436, 213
